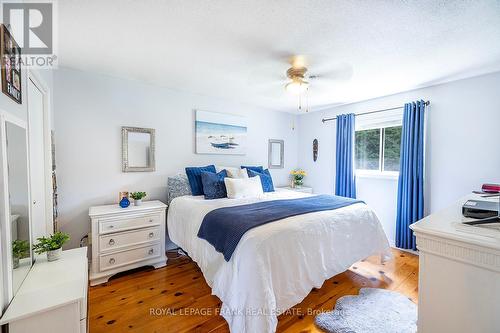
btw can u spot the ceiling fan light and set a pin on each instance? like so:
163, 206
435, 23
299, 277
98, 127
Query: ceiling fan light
297, 87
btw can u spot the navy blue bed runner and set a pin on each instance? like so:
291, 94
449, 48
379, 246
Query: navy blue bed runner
224, 227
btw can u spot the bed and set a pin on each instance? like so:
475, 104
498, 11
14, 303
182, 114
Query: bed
275, 265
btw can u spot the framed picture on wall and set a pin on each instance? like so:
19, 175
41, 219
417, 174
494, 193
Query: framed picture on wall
220, 133
10, 54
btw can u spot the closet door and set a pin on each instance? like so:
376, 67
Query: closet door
37, 160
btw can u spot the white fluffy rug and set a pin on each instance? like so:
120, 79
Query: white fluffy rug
373, 310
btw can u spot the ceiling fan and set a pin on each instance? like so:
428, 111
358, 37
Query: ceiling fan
298, 84
306, 77
299, 79
297, 74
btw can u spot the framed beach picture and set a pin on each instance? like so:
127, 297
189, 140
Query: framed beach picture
10, 54
220, 133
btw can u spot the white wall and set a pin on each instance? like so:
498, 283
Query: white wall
462, 144
90, 109
381, 194
89, 112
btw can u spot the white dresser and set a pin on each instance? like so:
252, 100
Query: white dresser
53, 297
459, 274
126, 238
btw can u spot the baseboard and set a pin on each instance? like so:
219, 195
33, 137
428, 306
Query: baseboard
406, 250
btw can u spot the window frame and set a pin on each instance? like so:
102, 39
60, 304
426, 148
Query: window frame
380, 173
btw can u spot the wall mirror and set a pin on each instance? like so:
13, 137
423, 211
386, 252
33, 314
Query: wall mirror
276, 154
138, 149
18, 216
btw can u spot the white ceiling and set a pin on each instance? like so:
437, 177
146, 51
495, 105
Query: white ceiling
239, 49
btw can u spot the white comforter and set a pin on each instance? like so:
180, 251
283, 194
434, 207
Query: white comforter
277, 264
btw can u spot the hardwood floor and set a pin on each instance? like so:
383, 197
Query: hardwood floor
177, 299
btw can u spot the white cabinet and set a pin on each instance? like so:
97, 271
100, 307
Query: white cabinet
126, 238
53, 297
459, 274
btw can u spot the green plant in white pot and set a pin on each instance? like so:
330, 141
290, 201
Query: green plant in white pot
52, 245
138, 196
20, 249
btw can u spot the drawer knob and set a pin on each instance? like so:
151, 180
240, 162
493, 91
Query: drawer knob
112, 261
151, 234
151, 251
111, 241
111, 226
150, 220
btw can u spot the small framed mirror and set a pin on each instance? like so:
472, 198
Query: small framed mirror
276, 154
138, 149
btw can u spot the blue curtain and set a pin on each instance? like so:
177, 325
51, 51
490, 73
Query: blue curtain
345, 181
411, 174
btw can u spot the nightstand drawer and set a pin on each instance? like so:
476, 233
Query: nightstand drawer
113, 225
120, 240
123, 258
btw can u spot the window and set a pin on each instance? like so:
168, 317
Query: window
378, 149
392, 148
367, 150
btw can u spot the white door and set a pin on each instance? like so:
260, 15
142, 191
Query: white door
37, 160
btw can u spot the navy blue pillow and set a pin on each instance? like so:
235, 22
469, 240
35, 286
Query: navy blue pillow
258, 169
265, 179
213, 184
194, 177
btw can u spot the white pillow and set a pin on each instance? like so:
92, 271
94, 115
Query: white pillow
238, 188
233, 172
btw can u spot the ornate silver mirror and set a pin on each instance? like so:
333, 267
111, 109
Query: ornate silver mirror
276, 154
138, 149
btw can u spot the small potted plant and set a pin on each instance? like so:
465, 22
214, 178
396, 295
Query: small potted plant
20, 249
298, 177
52, 245
137, 196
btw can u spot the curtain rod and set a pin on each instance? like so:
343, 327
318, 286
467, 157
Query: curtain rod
370, 112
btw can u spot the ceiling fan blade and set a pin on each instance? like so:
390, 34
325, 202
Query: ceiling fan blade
272, 90
337, 72
265, 80
265, 73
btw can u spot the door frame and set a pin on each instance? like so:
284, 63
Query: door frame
47, 145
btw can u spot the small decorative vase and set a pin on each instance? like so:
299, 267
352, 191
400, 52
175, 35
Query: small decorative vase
298, 183
15, 262
138, 202
54, 254
124, 202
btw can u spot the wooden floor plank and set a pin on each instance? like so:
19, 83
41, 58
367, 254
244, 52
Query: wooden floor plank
176, 298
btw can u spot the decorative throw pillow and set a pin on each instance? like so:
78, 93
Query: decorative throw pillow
238, 188
213, 184
233, 172
253, 168
194, 177
265, 178
177, 186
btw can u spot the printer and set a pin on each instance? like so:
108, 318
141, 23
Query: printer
483, 210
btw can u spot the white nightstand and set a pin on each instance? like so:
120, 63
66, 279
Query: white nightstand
126, 238
303, 189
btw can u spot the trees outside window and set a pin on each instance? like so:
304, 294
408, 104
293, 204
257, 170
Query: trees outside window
378, 149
